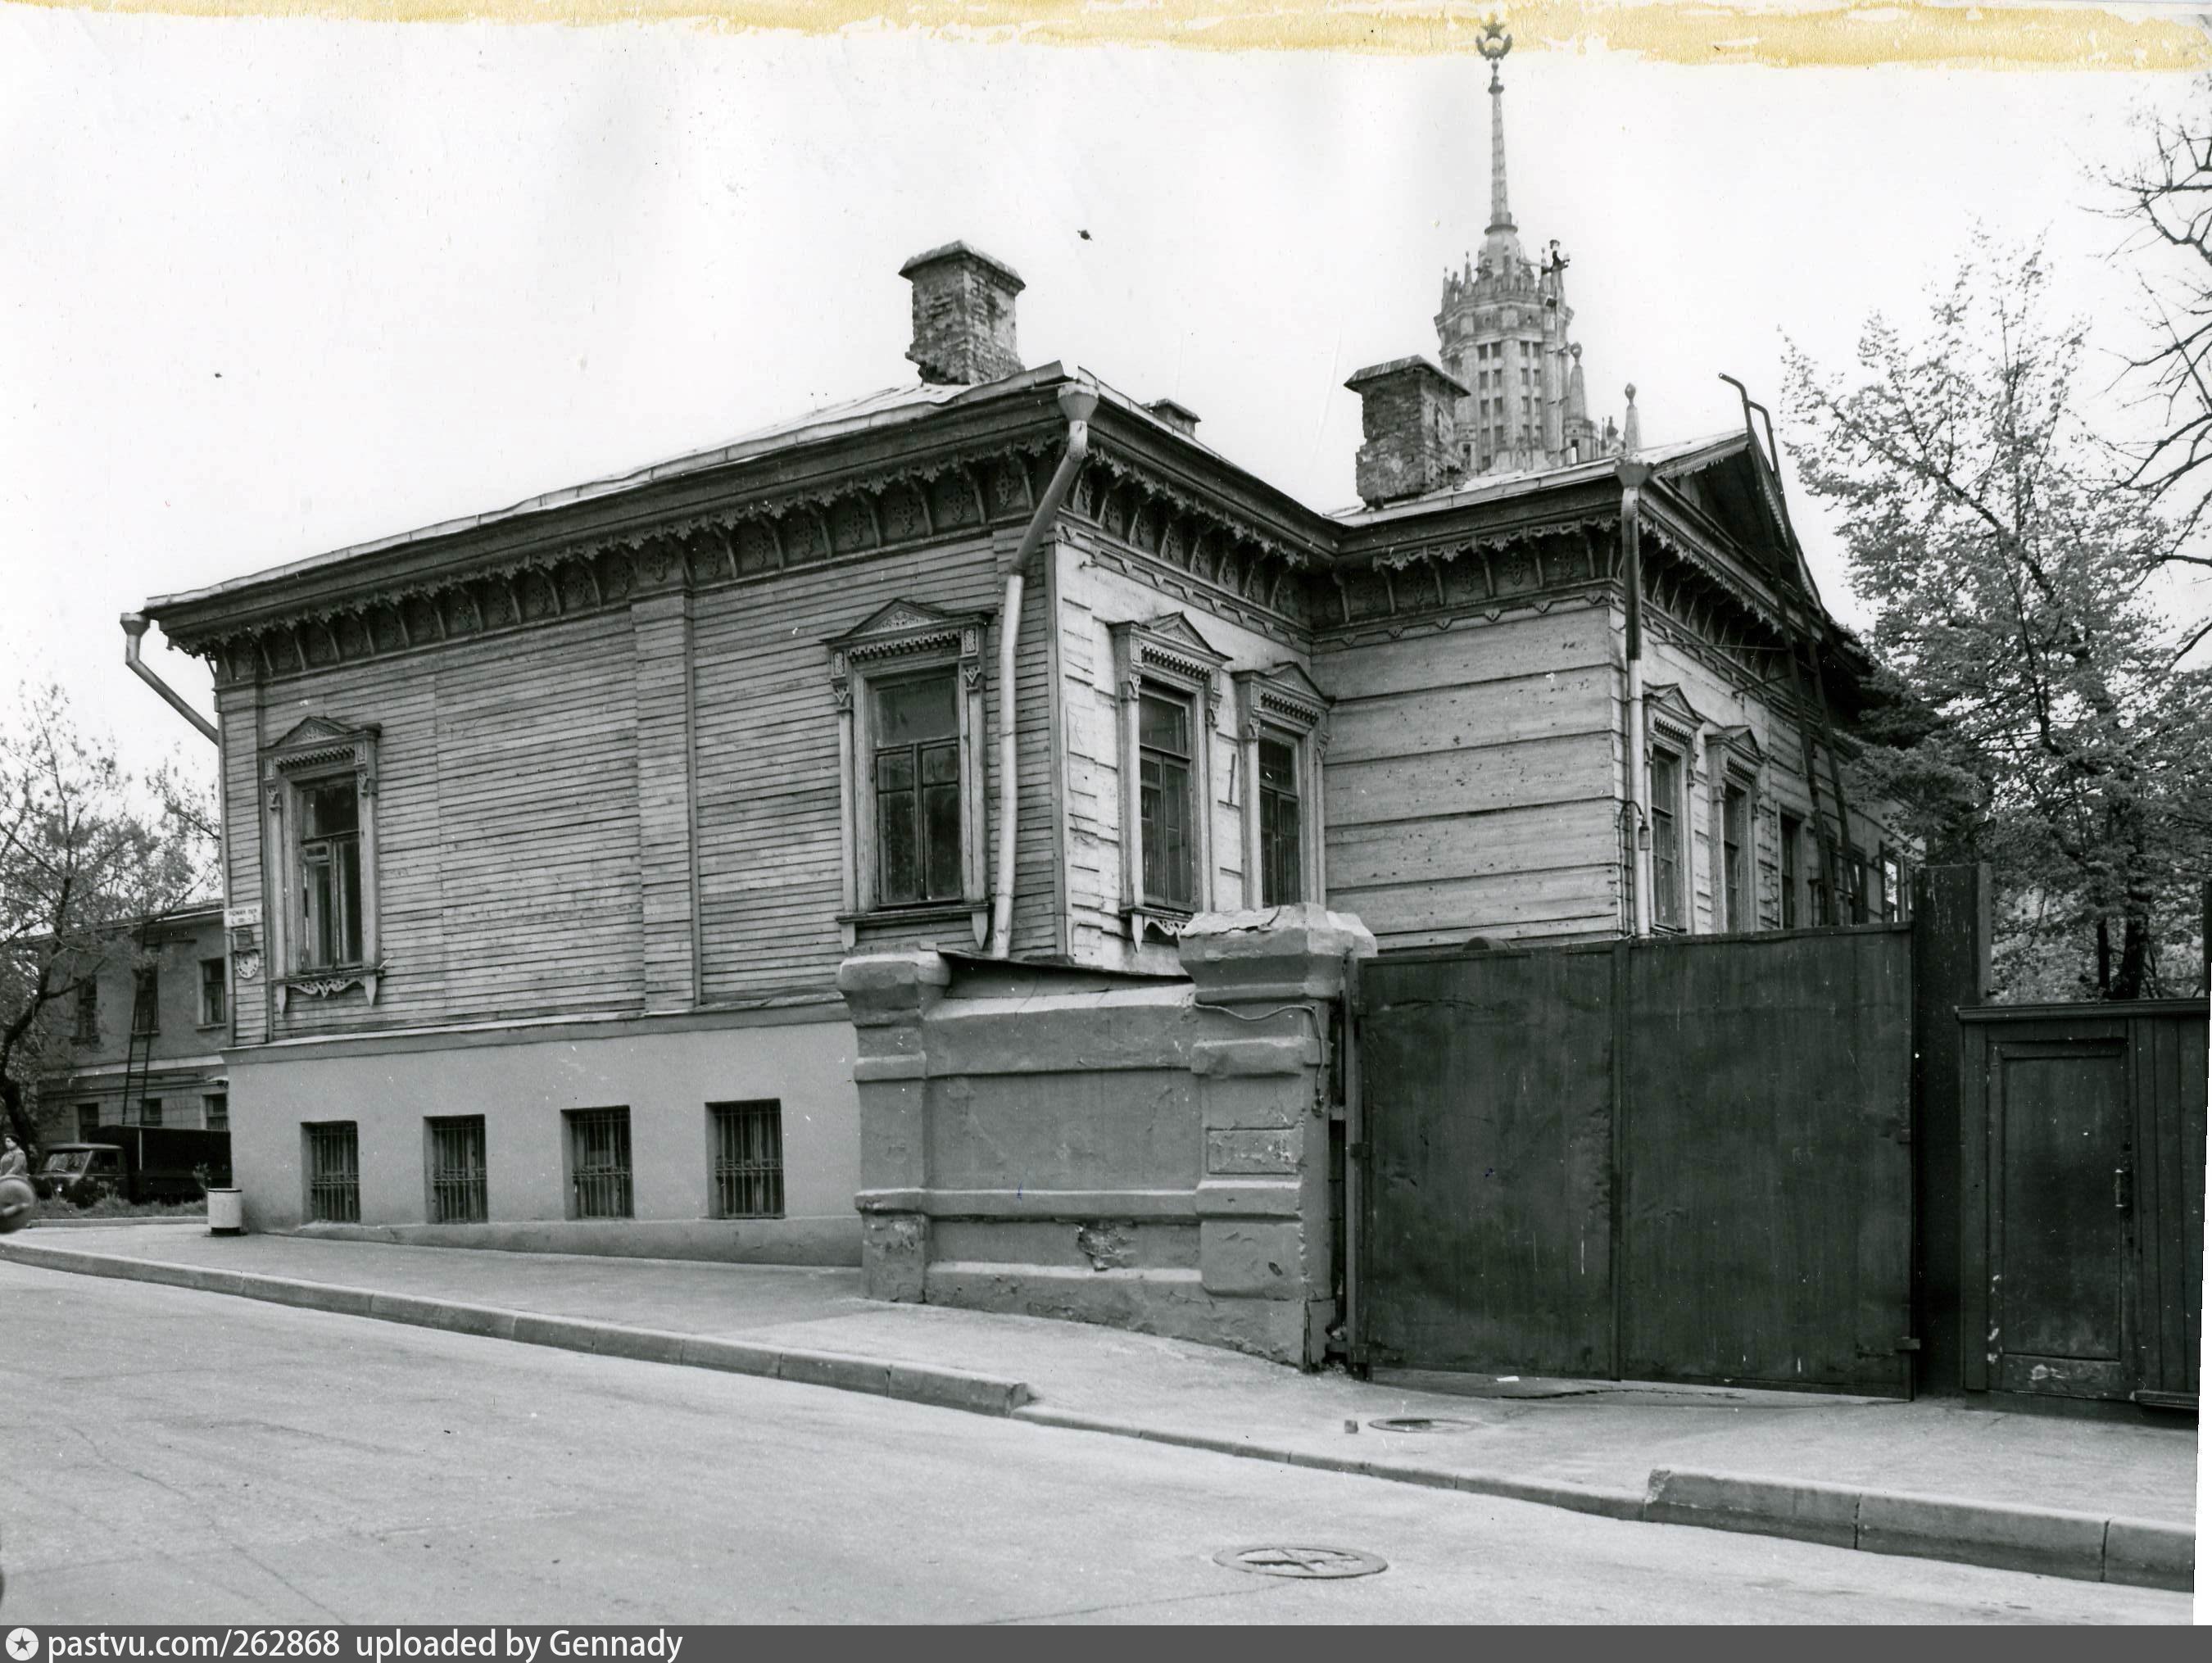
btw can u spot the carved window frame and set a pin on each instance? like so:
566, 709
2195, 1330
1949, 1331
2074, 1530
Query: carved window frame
1672, 725
317, 751
1165, 654
1282, 703
902, 640
1736, 759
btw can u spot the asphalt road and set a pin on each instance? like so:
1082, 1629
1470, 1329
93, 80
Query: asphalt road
177, 1457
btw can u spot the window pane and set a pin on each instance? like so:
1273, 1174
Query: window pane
1735, 807
1793, 833
1164, 723
329, 810
940, 810
315, 901
1280, 878
1164, 805
1666, 843
912, 711
348, 859
897, 852
895, 769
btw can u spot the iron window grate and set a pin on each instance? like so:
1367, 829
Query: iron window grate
599, 1162
459, 1188
748, 1159
334, 1171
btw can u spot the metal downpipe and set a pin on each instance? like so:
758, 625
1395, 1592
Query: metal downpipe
134, 630
1076, 403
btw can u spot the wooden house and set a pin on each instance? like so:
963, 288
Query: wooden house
546, 830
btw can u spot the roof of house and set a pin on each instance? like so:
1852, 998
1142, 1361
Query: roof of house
1495, 487
888, 407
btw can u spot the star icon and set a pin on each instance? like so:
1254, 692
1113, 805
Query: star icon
23, 1645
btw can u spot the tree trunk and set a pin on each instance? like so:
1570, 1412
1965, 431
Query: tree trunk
2103, 961
2133, 980
20, 1123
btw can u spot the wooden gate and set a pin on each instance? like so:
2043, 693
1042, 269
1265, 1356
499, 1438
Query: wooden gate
1678, 1159
2083, 1179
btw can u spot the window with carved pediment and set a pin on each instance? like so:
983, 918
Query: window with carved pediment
1737, 763
1282, 727
1167, 692
908, 687
320, 785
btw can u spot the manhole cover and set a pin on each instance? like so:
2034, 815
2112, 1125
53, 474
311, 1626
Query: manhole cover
1316, 1562
1423, 1423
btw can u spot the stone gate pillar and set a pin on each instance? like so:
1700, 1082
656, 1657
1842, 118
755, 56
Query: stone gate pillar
888, 994
1264, 984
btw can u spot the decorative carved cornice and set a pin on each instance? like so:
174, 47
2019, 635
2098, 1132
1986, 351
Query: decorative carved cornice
1235, 564
753, 541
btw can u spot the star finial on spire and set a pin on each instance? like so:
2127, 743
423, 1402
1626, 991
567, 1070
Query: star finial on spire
1494, 44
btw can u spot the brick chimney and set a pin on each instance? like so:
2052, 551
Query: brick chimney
1180, 417
964, 315
1405, 408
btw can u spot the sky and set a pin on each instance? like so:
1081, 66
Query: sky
271, 287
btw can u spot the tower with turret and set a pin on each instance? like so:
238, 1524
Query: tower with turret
1502, 333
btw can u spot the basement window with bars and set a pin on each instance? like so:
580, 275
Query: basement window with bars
460, 1192
333, 1171
748, 1152
599, 1163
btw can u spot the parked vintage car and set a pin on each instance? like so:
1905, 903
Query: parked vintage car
138, 1164
80, 1173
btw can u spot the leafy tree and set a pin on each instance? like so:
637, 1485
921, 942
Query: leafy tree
83, 855
2033, 715
2165, 198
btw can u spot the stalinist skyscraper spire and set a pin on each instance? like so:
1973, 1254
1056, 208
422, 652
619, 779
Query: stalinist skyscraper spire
1502, 331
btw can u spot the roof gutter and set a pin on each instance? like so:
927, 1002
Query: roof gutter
1076, 403
134, 630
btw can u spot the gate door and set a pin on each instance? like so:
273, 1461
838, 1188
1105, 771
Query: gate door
1663, 1160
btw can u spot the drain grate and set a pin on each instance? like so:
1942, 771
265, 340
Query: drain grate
1304, 1562
1424, 1423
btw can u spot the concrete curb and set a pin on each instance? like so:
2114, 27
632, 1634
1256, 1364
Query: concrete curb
910, 1382
1577, 1498
2043, 1541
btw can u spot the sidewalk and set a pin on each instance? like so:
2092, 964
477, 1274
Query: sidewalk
1590, 1445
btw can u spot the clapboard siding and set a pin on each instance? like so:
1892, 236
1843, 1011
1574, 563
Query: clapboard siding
766, 788
1505, 712
537, 824
1569, 769
1494, 844
1472, 779
238, 710
1782, 788
1092, 599
413, 940
1468, 654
